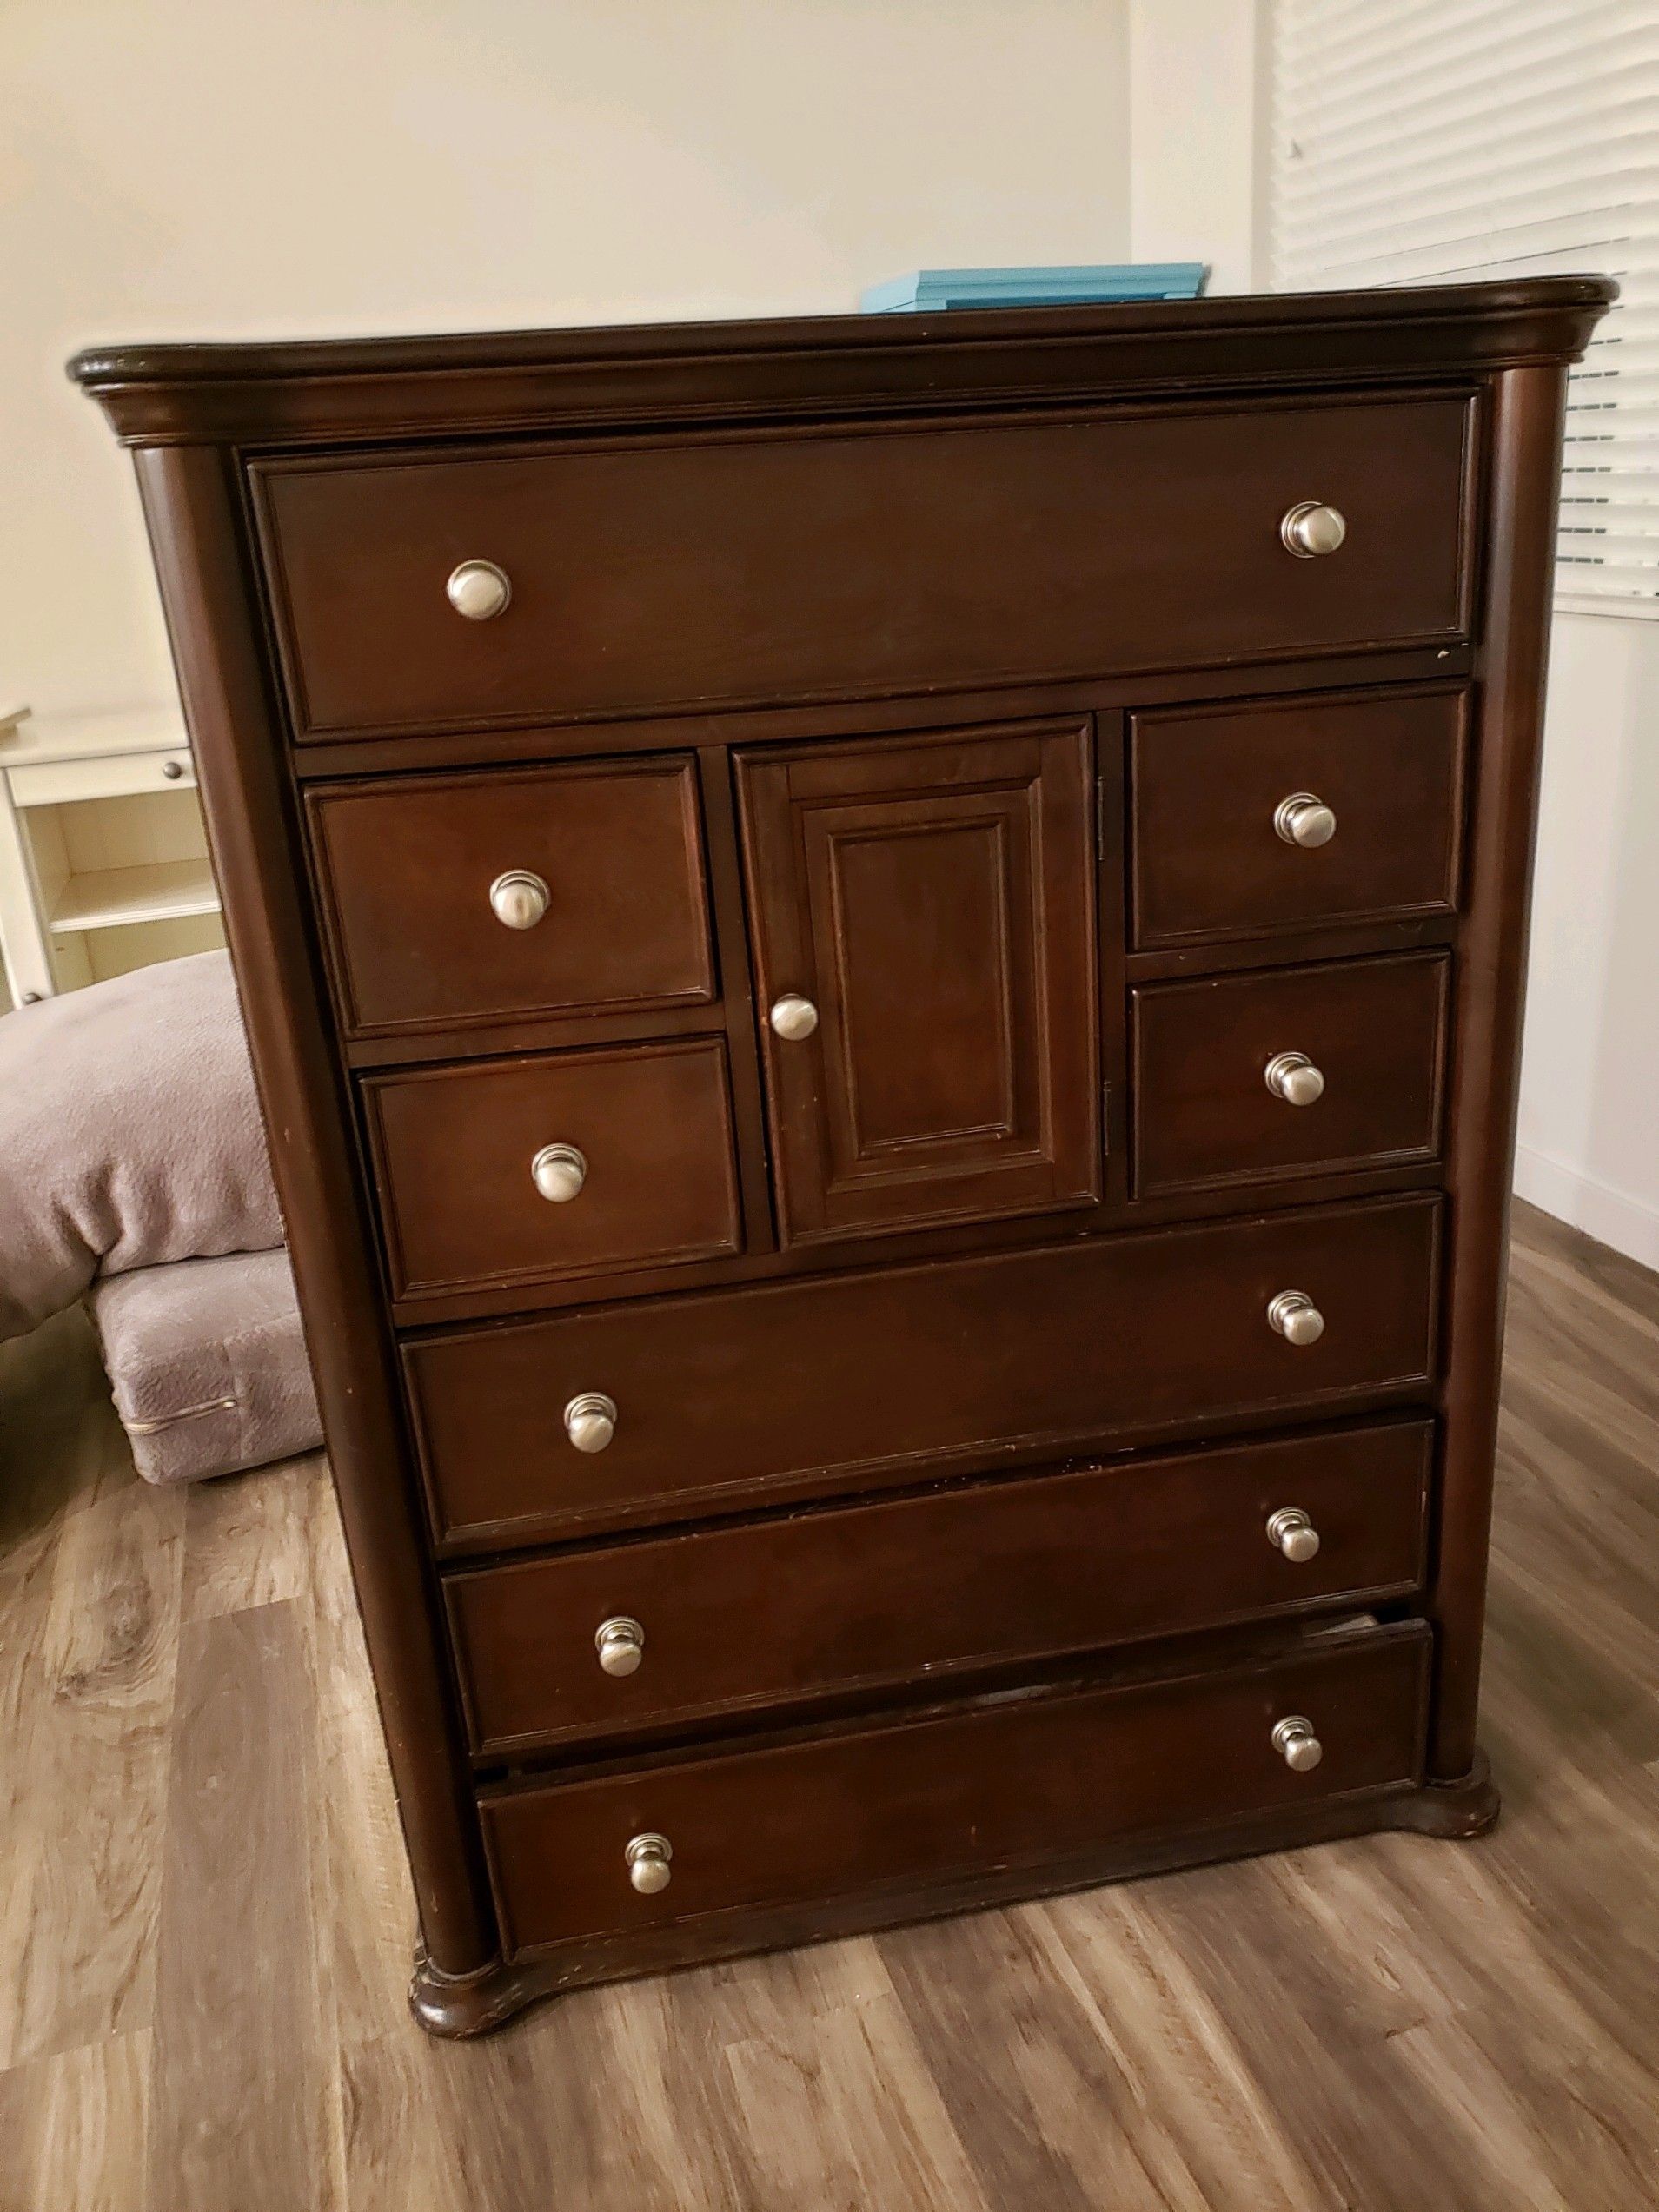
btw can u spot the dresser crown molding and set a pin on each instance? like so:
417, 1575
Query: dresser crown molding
885, 967
341, 390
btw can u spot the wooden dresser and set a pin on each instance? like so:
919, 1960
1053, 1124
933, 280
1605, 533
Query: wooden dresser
884, 965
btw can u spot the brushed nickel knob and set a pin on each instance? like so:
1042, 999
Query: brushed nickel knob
1310, 528
519, 899
590, 1420
792, 1016
1305, 820
1298, 1319
647, 1860
559, 1172
1293, 1077
479, 590
172, 770
1291, 1532
1297, 1745
620, 1642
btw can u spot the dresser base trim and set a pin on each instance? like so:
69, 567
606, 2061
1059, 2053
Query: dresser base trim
475, 2004
1457, 1810
455, 2005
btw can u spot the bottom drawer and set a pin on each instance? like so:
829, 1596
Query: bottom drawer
1023, 1780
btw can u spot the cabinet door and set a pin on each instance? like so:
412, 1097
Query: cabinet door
932, 900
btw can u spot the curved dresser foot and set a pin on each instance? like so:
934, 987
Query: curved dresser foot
1457, 1809
471, 2004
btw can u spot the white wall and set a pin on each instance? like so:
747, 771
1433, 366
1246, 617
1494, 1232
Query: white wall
1589, 1146
307, 168
1588, 1149
1197, 116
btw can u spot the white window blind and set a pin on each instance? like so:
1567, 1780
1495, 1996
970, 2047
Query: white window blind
1417, 140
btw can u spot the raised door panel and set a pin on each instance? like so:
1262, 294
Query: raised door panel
932, 900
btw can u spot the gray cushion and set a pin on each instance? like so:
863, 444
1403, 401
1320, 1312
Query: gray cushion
130, 1135
209, 1365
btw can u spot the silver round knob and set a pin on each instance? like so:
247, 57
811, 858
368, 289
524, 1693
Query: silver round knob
1291, 1532
1298, 1319
172, 770
1297, 1745
1293, 1077
590, 1420
559, 1172
1305, 820
479, 590
519, 899
620, 1642
1310, 528
647, 1860
793, 1017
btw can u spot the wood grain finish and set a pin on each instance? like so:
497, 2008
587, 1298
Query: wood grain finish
1204, 1115
934, 901
1207, 783
998, 1784
1385, 2021
953, 619
406, 867
457, 1146
830, 1385
679, 572
832, 1602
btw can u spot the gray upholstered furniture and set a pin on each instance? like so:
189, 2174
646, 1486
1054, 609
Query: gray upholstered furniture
133, 1171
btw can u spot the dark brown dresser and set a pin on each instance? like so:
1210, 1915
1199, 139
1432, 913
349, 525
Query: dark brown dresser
884, 958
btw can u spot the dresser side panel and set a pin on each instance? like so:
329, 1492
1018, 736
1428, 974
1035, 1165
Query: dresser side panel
1523, 460
196, 534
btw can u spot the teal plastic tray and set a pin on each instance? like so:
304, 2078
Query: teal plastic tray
924, 289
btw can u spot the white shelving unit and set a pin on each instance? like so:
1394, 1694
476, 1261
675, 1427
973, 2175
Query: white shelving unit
103, 863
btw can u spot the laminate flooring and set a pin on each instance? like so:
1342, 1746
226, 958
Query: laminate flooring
205, 1920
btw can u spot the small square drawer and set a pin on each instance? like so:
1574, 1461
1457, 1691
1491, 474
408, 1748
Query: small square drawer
605, 1641
1035, 1781
468, 898
1295, 814
525, 1171
1253, 1078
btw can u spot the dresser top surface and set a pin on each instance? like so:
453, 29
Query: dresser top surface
345, 390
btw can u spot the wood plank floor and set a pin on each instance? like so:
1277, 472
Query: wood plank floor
205, 1921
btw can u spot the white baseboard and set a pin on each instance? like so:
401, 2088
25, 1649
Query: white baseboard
1611, 1216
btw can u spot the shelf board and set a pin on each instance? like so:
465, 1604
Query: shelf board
159, 891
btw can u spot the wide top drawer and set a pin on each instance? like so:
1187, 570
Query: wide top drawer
430, 589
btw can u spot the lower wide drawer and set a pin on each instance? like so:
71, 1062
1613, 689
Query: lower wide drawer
783, 1611
840, 1383
1033, 1781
